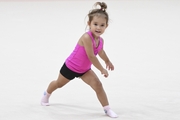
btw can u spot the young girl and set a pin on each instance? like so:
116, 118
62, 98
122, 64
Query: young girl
78, 64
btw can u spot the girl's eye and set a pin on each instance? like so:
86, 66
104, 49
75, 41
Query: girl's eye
95, 24
102, 25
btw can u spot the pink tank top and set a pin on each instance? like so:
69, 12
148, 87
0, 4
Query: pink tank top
78, 60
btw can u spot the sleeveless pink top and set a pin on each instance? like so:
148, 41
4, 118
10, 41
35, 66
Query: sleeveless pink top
78, 60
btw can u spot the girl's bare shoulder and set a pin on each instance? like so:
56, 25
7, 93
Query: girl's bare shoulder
84, 38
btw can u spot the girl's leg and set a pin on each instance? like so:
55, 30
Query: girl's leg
91, 79
60, 82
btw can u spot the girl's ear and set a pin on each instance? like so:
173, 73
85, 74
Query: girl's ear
106, 25
88, 23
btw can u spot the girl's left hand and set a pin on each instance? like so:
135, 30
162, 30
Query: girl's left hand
109, 66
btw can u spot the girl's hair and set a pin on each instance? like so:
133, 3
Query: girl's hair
99, 11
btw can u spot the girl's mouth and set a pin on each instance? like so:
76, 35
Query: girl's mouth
97, 31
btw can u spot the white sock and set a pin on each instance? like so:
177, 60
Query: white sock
45, 99
109, 112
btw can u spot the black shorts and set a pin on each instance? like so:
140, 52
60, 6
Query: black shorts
69, 74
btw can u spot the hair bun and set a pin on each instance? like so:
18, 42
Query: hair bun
102, 5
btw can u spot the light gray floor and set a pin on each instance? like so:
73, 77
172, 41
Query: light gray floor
142, 40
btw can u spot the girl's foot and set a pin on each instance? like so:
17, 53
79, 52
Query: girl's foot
109, 112
45, 99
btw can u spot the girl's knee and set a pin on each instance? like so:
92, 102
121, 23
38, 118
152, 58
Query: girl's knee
61, 82
58, 84
97, 84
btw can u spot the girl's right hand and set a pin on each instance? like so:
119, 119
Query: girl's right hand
105, 73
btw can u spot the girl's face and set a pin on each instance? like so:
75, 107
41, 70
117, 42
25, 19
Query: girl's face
97, 25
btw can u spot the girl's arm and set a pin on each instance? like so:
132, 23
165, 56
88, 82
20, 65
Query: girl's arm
105, 58
87, 43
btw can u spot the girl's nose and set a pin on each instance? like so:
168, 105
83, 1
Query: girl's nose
98, 27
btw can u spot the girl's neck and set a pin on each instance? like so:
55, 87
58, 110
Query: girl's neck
95, 37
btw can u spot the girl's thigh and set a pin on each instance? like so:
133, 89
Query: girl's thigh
91, 78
